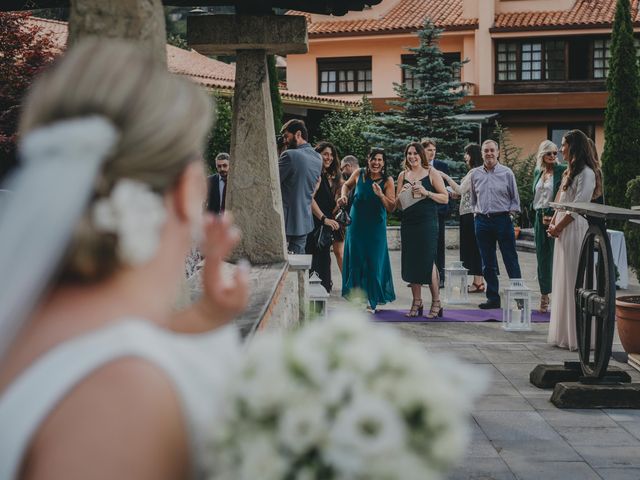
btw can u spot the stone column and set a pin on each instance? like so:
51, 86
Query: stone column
254, 183
254, 189
137, 20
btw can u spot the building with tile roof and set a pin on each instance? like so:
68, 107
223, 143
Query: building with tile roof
538, 66
218, 77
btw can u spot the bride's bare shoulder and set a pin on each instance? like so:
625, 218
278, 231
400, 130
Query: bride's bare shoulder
123, 421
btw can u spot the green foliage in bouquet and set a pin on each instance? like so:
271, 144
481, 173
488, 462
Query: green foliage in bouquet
343, 398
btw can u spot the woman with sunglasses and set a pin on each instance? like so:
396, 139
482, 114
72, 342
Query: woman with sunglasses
547, 178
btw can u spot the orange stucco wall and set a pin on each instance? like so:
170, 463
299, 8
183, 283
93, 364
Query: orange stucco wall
529, 135
302, 72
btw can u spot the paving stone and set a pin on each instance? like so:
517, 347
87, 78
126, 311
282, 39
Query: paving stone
619, 473
518, 371
503, 403
504, 388
515, 426
534, 470
481, 449
519, 451
632, 427
577, 418
482, 469
541, 402
610, 456
597, 436
468, 353
623, 415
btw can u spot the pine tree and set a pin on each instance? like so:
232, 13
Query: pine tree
428, 109
621, 156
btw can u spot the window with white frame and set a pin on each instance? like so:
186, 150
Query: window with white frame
344, 75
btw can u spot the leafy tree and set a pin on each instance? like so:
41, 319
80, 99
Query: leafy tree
429, 107
621, 156
523, 168
632, 231
220, 137
274, 87
177, 41
25, 50
344, 129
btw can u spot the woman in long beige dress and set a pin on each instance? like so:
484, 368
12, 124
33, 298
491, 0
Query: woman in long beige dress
581, 183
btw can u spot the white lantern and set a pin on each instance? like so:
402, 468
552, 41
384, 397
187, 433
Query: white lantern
455, 284
318, 297
516, 306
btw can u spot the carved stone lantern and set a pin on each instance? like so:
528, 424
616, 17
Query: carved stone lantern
516, 306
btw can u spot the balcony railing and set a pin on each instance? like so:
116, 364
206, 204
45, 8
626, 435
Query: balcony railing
550, 86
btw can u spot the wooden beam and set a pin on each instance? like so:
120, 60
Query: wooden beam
523, 101
327, 7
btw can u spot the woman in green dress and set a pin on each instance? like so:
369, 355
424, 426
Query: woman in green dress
366, 264
419, 188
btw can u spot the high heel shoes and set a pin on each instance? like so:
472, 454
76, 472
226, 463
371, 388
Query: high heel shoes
416, 309
436, 310
544, 303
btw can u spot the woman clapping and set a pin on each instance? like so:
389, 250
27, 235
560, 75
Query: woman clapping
366, 256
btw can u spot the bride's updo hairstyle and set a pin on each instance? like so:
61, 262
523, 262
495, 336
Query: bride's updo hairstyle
161, 122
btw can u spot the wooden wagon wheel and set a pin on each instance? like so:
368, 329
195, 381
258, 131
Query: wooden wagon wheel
595, 299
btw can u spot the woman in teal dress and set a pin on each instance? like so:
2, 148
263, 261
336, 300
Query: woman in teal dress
420, 187
366, 264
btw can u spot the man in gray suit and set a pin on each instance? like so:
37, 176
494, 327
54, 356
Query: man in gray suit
300, 166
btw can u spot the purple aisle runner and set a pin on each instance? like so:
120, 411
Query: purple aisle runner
454, 315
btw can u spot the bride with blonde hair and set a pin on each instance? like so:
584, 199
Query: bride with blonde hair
99, 376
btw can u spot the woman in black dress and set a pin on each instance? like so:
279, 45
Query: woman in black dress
419, 228
469, 253
324, 209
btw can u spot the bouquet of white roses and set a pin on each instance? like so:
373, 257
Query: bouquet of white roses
343, 399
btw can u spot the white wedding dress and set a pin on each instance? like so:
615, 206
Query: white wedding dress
566, 254
197, 365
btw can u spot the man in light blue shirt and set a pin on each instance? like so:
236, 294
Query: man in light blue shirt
494, 197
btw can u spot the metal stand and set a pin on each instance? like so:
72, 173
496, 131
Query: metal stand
590, 383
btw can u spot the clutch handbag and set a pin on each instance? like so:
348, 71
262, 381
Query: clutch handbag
406, 199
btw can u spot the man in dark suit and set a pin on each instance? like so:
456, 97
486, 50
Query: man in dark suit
443, 209
300, 167
218, 185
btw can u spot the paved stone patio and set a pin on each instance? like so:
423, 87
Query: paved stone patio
517, 432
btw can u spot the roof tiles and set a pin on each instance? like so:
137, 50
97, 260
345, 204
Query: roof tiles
205, 71
583, 14
409, 15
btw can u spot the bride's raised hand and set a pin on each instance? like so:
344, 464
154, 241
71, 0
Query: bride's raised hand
223, 296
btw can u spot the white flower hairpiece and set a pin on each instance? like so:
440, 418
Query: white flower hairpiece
135, 214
